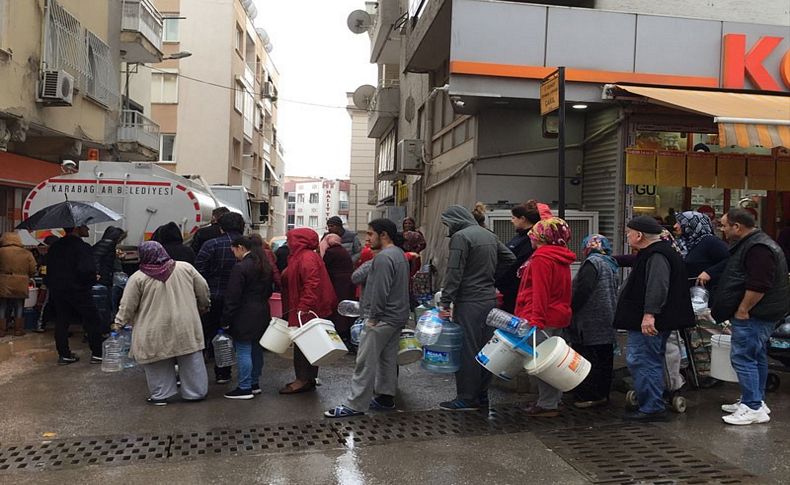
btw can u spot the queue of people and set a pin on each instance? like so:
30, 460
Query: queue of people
183, 295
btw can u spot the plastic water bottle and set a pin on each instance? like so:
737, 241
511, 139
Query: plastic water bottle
112, 354
429, 327
356, 331
444, 356
699, 299
348, 308
126, 338
223, 349
503, 320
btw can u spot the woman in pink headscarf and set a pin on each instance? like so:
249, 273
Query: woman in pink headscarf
339, 266
163, 302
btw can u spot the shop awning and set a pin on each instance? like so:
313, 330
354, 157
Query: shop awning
744, 119
20, 171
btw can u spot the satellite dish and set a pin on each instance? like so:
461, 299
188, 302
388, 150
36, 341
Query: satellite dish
269, 48
363, 95
246, 4
263, 35
252, 11
359, 21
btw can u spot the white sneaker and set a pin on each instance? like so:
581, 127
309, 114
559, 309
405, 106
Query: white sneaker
731, 408
746, 415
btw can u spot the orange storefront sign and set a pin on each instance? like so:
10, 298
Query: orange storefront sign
737, 65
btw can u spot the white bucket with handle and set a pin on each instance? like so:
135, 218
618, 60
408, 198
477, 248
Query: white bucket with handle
720, 362
318, 340
277, 336
557, 364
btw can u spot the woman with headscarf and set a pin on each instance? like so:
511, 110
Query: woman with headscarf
307, 292
340, 267
592, 333
700, 248
163, 302
409, 224
544, 297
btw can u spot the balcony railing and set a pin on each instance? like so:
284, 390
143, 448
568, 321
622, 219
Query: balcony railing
136, 128
141, 16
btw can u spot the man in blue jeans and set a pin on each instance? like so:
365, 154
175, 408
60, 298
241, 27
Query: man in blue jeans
654, 302
754, 295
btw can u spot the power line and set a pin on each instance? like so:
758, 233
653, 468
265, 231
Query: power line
258, 98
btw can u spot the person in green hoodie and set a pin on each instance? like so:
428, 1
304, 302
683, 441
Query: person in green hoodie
476, 258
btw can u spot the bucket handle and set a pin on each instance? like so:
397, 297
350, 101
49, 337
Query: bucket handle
525, 346
299, 315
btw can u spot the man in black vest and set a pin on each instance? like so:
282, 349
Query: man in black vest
754, 295
654, 302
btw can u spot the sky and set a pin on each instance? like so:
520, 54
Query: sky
319, 60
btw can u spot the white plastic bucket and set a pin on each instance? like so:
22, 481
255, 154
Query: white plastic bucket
502, 356
277, 336
409, 350
720, 363
319, 342
557, 364
32, 297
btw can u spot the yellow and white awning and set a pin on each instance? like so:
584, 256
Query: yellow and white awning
744, 119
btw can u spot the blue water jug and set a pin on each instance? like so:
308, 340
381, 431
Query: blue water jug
444, 356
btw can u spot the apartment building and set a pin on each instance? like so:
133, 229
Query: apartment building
215, 101
467, 100
60, 64
362, 176
311, 201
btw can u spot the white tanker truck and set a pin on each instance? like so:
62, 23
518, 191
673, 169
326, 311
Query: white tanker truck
144, 193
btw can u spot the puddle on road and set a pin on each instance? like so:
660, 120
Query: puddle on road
347, 470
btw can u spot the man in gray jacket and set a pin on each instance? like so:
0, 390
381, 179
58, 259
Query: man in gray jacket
476, 258
348, 239
385, 307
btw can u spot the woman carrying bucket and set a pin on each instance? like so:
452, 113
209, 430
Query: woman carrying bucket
544, 297
307, 288
246, 311
592, 332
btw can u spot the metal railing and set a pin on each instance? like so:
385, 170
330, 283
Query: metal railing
135, 127
141, 16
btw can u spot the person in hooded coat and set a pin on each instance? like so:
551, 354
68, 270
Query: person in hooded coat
17, 266
170, 237
163, 302
105, 255
307, 291
339, 266
544, 297
476, 258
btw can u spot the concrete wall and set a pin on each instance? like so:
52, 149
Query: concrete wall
518, 178
762, 12
19, 75
202, 142
363, 155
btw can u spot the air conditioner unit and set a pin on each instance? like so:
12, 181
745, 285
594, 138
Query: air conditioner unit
268, 90
56, 88
274, 191
581, 223
410, 156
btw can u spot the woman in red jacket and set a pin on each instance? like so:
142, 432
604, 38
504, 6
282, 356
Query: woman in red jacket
307, 288
544, 297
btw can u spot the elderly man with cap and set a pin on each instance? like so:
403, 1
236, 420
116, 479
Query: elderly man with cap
349, 240
654, 301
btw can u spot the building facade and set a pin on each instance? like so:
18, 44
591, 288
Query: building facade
60, 64
312, 201
362, 171
469, 73
217, 108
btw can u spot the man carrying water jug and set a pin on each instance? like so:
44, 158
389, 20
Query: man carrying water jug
654, 302
476, 258
385, 307
754, 295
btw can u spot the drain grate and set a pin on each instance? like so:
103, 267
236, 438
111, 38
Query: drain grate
639, 454
287, 437
60, 454
595, 442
